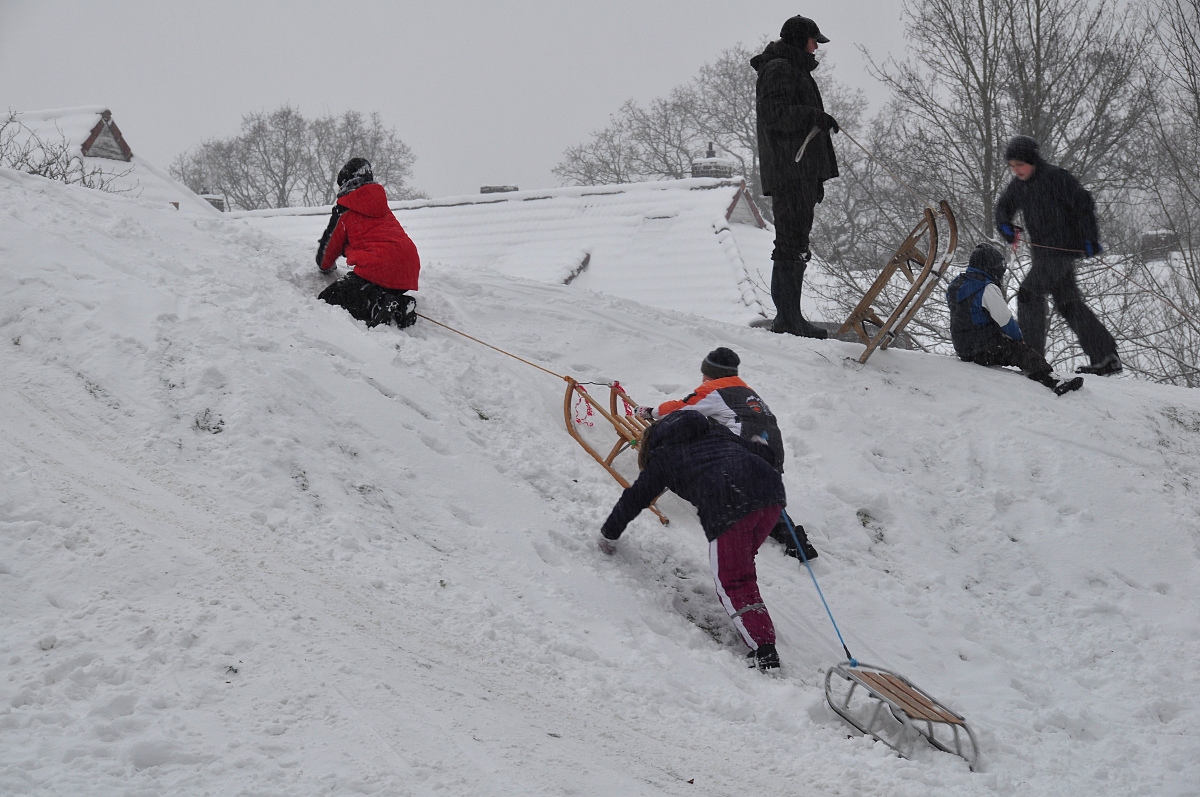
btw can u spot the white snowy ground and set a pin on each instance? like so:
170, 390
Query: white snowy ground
249, 547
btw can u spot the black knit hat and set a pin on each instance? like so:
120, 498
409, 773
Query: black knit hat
1023, 149
798, 30
356, 168
987, 258
719, 363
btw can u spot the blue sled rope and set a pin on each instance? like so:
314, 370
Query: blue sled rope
796, 541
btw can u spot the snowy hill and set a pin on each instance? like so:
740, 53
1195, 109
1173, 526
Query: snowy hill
248, 546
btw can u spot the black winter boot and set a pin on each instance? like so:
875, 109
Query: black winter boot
787, 286
1057, 384
764, 658
1109, 365
781, 535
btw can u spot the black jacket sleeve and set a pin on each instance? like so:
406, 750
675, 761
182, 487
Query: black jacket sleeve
336, 214
1006, 206
639, 495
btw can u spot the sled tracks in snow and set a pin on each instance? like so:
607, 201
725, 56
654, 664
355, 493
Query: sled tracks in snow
912, 713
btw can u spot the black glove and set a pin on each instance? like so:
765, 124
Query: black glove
828, 123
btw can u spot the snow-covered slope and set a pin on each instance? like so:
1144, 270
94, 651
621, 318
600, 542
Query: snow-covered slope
248, 546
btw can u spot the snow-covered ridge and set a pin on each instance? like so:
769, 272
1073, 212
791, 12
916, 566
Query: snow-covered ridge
695, 245
248, 546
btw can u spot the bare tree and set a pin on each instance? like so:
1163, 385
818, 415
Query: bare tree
1163, 314
281, 159
333, 140
606, 159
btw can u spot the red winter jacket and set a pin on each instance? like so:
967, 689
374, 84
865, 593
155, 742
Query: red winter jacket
374, 243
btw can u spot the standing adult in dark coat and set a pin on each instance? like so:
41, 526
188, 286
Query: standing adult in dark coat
739, 494
1060, 219
795, 158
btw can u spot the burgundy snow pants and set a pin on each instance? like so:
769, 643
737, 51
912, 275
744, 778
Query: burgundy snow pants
731, 557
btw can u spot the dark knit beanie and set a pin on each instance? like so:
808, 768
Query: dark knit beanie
798, 30
719, 363
1023, 149
356, 169
987, 258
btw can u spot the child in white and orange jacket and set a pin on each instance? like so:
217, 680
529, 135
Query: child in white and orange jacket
724, 397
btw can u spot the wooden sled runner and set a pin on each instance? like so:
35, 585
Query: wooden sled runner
628, 427
915, 259
914, 713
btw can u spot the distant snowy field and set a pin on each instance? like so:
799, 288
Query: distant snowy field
249, 547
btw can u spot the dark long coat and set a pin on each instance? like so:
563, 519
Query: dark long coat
788, 107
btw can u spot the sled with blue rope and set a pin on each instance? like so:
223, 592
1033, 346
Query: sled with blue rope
912, 713
580, 407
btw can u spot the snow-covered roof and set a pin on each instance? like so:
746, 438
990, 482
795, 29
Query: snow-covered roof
696, 245
91, 134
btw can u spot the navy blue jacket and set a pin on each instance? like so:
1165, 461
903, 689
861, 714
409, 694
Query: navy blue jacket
972, 328
701, 461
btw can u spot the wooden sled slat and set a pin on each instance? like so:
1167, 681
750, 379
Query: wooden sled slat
914, 710
915, 259
629, 430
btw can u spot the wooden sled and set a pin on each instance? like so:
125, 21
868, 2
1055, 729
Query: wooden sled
914, 713
915, 259
628, 427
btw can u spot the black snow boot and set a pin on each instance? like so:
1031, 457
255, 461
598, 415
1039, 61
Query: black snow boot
764, 658
1109, 365
781, 534
1057, 384
787, 286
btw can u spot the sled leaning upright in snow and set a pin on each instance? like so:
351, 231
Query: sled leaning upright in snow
629, 427
915, 258
914, 713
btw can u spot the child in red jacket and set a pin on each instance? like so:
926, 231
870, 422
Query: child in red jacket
384, 260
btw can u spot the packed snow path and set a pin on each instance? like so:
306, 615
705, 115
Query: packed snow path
248, 546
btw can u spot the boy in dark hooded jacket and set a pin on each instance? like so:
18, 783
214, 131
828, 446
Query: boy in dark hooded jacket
739, 495
982, 327
384, 259
1060, 218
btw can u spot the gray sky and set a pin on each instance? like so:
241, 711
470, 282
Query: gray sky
483, 92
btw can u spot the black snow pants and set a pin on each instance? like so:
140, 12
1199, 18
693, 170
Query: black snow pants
794, 213
1013, 352
371, 303
1053, 274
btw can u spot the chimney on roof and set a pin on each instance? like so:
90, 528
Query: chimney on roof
712, 166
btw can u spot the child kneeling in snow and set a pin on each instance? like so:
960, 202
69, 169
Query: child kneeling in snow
983, 328
739, 494
383, 258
